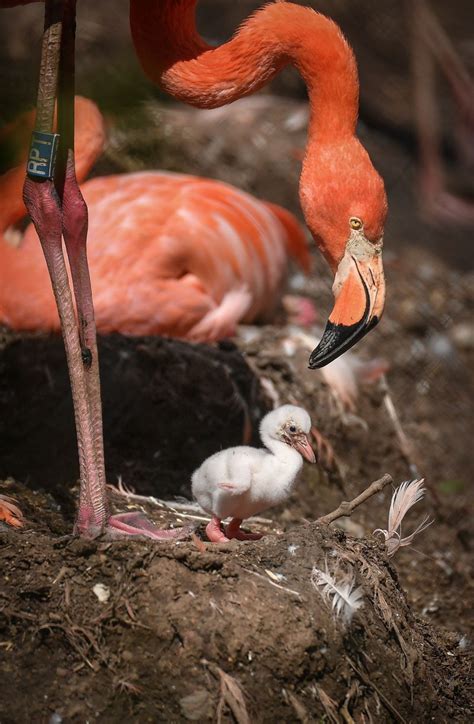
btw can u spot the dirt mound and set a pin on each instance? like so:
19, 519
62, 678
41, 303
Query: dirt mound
153, 633
101, 631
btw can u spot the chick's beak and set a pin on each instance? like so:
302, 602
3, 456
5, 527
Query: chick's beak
359, 289
301, 443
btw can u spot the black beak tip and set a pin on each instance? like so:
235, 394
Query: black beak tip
315, 362
328, 347
337, 339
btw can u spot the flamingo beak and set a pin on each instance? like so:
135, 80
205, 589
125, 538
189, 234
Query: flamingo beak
359, 290
302, 444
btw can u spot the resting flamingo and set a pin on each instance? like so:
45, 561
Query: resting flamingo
342, 196
168, 253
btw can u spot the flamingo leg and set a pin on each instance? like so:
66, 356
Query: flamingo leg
93, 512
57, 209
233, 530
214, 531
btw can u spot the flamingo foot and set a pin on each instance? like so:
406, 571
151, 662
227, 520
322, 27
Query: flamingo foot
10, 513
233, 530
214, 531
137, 524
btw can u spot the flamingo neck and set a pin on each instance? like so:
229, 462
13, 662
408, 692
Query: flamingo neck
282, 452
174, 56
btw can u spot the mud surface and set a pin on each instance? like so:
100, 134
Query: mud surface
180, 620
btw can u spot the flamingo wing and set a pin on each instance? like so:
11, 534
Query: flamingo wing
169, 254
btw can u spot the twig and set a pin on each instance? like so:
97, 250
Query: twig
272, 583
346, 508
124, 492
175, 507
406, 446
231, 695
18, 614
365, 679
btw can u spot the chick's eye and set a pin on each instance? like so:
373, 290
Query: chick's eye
355, 223
292, 428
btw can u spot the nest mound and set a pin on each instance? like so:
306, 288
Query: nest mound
175, 632
194, 631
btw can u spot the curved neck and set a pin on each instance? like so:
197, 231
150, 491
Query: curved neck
174, 56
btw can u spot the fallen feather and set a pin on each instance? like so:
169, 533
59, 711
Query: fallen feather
404, 497
278, 577
345, 599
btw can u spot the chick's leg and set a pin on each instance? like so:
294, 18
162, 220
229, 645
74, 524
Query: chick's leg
214, 531
233, 531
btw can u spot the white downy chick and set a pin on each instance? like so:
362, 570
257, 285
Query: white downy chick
243, 481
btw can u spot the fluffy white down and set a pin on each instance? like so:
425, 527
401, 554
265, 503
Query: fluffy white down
261, 478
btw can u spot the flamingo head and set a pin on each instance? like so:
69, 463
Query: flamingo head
291, 425
345, 206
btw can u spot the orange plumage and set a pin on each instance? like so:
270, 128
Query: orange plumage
10, 513
168, 253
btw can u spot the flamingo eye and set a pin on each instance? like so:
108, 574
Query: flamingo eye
292, 428
355, 223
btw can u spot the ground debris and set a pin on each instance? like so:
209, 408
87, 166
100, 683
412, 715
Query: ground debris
168, 608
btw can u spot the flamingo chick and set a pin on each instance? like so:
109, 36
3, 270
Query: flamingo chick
243, 481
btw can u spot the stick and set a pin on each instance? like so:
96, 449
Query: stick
406, 445
173, 506
272, 583
365, 679
345, 509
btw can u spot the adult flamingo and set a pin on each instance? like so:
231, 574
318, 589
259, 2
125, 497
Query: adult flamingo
342, 196
168, 253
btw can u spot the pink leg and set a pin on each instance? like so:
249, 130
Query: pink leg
233, 531
214, 531
93, 514
137, 524
57, 208
93, 494
43, 205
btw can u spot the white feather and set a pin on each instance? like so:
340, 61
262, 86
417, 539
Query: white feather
404, 497
345, 599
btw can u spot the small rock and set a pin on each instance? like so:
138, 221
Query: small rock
102, 592
463, 335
